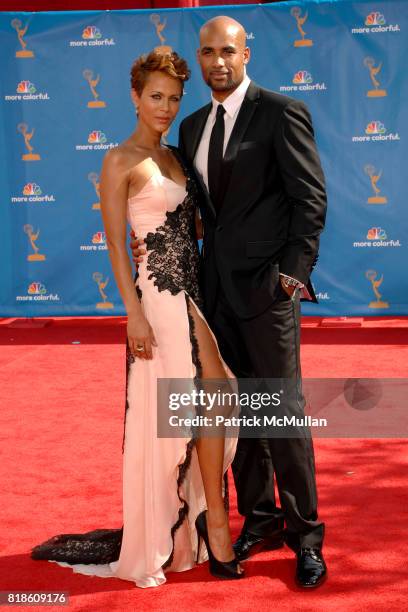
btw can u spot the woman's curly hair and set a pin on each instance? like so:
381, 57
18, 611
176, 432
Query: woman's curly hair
169, 63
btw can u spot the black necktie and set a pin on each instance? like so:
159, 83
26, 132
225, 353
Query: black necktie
215, 155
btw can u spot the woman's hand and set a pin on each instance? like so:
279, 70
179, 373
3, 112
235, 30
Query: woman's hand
140, 334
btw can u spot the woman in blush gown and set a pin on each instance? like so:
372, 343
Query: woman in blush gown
174, 489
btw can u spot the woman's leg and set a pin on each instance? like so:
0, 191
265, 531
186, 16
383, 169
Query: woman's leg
210, 450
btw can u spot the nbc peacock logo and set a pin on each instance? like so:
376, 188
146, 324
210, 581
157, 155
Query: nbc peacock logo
26, 87
97, 243
375, 127
96, 141
31, 189
36, 288
92, 37
32, 193
375, 22
91, 33
303, 81
301, 77
96, 137
375, 19
376, 131
377, 238
26, 90
36, 291
99, 238
376, 233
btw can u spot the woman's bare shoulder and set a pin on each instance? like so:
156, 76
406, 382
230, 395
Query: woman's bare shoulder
124, 157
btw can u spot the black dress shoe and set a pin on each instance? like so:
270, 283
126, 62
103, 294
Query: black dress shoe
311, 569
249, 544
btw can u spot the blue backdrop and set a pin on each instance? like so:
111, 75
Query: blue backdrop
65, 101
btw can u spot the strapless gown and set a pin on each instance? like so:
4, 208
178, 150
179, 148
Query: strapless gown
162, 487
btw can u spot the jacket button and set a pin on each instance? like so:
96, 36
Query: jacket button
218, 228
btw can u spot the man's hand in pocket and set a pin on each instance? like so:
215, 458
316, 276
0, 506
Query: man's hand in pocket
137, 249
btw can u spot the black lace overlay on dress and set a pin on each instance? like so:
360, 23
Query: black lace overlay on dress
173, 258
184, 510
97, 546
195, 353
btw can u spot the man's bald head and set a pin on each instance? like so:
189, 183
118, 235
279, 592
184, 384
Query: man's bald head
223, 24
222, 55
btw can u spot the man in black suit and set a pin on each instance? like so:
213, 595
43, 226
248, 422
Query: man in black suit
263, 209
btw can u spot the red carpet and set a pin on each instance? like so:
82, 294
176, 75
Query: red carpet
61, 435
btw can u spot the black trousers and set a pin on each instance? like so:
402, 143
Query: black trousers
268, 346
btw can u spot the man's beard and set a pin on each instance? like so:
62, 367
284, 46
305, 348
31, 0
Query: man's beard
229, 85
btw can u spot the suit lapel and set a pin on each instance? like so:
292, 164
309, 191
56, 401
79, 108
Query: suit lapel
245, 114
197, 131
194, 141
205, 192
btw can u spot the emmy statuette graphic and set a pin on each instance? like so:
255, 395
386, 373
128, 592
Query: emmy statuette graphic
30, 156
96, 103
300, 21
162, 48
374, 178
23, 52
97, 276
36, 256
374, 70
371, 275
93, 177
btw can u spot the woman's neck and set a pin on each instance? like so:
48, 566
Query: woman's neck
146, 137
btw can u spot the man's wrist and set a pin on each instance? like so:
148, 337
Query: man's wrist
289, 281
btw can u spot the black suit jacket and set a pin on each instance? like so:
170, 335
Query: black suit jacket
273, 205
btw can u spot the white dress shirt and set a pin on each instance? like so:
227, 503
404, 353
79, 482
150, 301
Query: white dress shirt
232, 104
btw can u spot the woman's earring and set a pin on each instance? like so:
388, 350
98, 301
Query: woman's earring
137, 111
